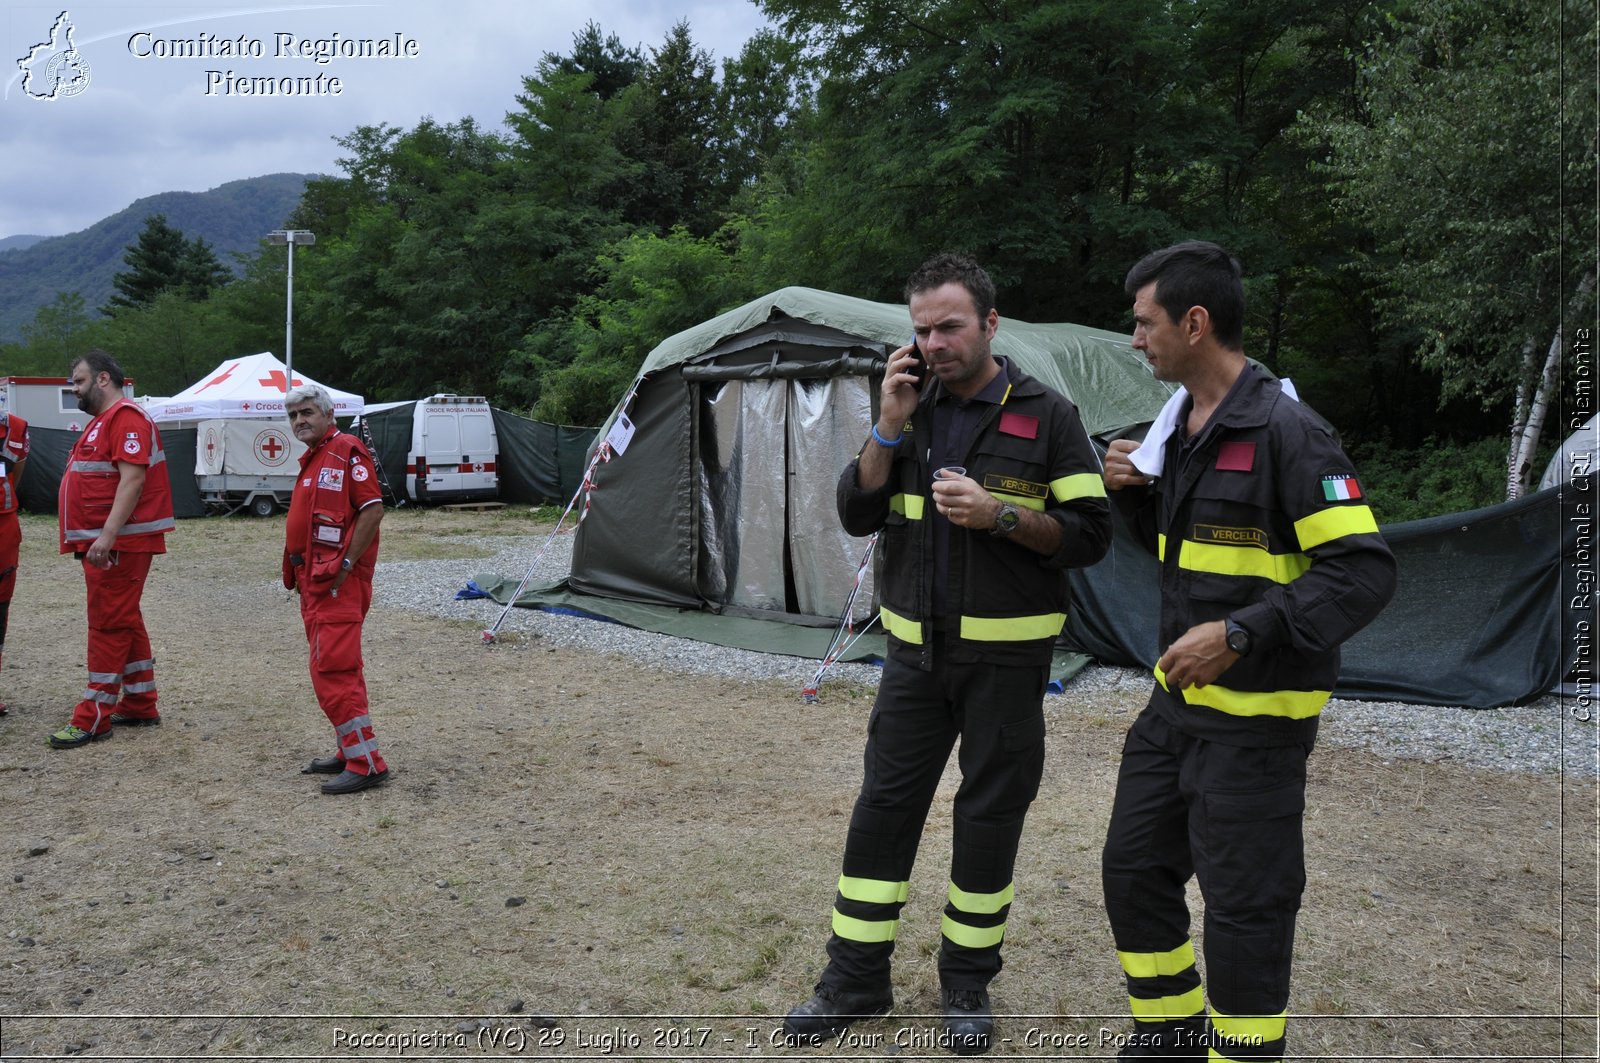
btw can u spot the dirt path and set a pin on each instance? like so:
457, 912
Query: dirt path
570, 841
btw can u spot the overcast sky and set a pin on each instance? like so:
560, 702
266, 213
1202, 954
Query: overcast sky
131, 114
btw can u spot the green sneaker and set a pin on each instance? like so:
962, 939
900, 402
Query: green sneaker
70, 737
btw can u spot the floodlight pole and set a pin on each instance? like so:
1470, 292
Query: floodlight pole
290, 237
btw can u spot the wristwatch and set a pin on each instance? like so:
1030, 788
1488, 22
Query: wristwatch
347, 564
1006, 521
1238, 638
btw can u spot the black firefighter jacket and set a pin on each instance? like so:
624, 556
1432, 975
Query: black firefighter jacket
1008, 602
1260, 518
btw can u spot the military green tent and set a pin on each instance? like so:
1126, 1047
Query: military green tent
723, 499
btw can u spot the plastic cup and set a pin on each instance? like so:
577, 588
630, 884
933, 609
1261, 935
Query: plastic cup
950, 471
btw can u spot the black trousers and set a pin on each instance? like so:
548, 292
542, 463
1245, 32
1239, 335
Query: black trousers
1232, 817
996, 712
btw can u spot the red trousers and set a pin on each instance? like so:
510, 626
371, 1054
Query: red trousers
10, 548
120, 661
333, 630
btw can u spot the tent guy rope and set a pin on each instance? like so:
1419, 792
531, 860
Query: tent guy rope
842, 636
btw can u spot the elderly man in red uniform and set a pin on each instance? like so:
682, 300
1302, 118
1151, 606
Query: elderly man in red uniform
13, 459
330, 551
115, 511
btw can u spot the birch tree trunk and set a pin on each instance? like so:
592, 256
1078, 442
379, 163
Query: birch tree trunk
1527, 444
1519, 416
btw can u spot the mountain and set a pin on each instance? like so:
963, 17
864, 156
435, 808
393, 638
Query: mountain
17, 243
231, 217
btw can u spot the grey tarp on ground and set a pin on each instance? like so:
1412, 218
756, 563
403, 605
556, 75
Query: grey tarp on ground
47, 463
1479, 618
740, 632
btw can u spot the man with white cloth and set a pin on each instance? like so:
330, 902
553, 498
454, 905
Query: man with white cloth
1270, 559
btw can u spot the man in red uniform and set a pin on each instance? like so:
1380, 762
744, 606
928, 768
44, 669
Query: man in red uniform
330, 550
115, 511
13, 459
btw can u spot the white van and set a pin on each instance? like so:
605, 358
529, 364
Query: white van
455, 453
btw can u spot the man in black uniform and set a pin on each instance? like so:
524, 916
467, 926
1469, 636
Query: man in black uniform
973, 593
1270, 558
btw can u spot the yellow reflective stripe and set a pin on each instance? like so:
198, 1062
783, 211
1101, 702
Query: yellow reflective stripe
873, 890
873, 932
973, 937
908, 506
1293, 704
981, 903
1012, 628
1161, 546
1078, 485
1021, 501
900, 627
1156, 964
1336, 522
1167, 1009
1241, 561
1250, 1029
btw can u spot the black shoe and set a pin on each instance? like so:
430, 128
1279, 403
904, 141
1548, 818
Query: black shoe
348, 782
135, 721
1175, 1042
831, 1010
324, 766
968, 1021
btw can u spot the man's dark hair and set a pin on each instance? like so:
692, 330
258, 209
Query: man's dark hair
949, 266
1195, 273
99, 362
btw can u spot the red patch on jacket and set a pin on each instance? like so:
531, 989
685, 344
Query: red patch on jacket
1236, 457
1019, 424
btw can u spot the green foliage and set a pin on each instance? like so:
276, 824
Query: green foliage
231, 218
1452, 165
649, 287
1438, 477
57, 334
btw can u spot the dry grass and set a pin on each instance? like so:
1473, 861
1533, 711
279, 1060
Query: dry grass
570, 835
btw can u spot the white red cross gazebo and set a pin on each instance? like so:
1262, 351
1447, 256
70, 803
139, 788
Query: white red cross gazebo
249, 386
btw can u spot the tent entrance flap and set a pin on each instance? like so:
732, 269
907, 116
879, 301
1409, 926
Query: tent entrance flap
769, 453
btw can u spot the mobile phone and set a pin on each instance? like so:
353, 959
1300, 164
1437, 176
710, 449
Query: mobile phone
919, 367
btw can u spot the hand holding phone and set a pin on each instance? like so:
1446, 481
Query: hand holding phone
919, 367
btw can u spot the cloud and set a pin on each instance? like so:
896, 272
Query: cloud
154, 119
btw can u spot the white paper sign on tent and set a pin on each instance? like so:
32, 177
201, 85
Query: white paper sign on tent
621, 433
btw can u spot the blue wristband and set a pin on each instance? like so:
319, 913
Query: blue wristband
882, 442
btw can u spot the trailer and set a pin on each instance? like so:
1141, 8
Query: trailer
46, 401
245, 464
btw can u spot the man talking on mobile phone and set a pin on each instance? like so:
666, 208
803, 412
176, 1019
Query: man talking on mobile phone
973, 588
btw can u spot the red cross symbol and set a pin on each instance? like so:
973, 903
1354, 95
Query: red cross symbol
224, 376
275, 379
271, 446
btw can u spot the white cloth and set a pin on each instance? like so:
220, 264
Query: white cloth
1151, 457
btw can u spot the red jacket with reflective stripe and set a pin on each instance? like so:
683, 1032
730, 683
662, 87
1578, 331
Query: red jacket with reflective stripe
123, 433
13, 449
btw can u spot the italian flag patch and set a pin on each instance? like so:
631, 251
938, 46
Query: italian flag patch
1339, 488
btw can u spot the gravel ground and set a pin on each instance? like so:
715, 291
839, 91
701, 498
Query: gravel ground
1543, 737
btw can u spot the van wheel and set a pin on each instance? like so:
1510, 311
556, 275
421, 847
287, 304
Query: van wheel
263, 506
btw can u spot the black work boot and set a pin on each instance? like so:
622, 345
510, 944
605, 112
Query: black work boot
1176, 1042
968, 1021
831, 1010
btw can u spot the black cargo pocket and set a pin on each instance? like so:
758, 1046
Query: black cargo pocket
1254, 849
1023, 741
